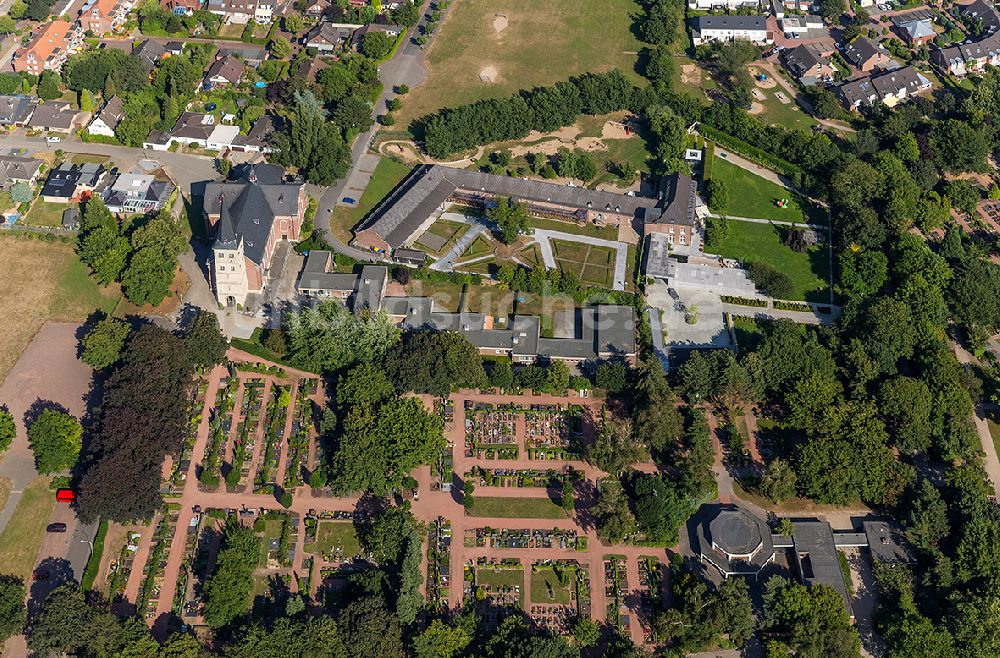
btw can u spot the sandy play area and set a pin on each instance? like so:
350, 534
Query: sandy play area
691, 74
488, 74
755, 108
769, 83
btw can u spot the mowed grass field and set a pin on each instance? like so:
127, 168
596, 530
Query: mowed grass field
754, 196
749, 242
25, 531
388, 174
42, 281
515, 508
543, 43
594, 265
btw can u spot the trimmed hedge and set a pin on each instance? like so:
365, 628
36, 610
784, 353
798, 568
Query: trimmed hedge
743, 301
793, 306
749, 151
94, 563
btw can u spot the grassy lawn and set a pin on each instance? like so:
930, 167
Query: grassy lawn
765, 242
591, 230
25, 531
332, 534
388, 174
789, 115
83, 158
516, 508
994, 432
42, 281
547, 590
544, 306
480, 247
594, 265
443, 231
447, 296
542, 44
531, 255
490, 300
43, 213
753, 196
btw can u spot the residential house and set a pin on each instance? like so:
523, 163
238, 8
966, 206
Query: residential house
317, 8
104, 16
181, 7
258, 140
968, 57
866, 56
248, 217
309, 68
71, 182
916, 28
150, 53
980, 13
250, 54
705, 5
54, 116
731, 28
328, 37
242, 11
603, 332
108, 118
71, 218
809, 64
157, 140
136, 193
780, 7
16, 110
891, 88
223, 137
391, 31
174, 48
675, 215
193, 129
796, 27
16, 169
224, 72
50, 44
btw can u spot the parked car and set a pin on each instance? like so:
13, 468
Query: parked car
65, 495
56, 527
52, 139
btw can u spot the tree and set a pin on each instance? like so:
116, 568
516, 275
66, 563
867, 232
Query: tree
502, 375
440, 641
511, 217
906, 405
56, 439
376, 44
778, 481
614, 449
58, 626
205, 340
557, 376
38, 10
280, 47
311, 143
468, 495
863, 272
963, 196
20, 192
103, 344
370, 630
770, 281
8, 430
813, 619
227, 590
86, 101
586, 631
660, 510
615, 521
434, 362
153, 262
18, 9
975, 140
329, 337
612, 376
717, 229
13, 613
294, 23
719, 196
49, 86
140, 116
925, 516
7, 25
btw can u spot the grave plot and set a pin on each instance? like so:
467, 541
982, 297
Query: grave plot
523, 538
218, 432
152, 583
490, 432
199, 562
274, 430
560, 591
496, 586
120, 568
243, 445
439, 563
334, 541
615, 586
298, 440
523, 477
182, 459
651, 572
553, 431
275, 530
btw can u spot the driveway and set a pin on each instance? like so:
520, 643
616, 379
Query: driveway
710, 329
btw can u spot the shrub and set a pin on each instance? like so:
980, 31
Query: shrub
770, 281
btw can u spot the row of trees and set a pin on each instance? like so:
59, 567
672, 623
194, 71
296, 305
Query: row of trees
544, 109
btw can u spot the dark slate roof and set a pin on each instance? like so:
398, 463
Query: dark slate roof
982, 10
726, 534
860, 51
731, 23
893, 82
251, 208
678, 194
982, 49
260, 134
53, 114
886, 542
401, 213
801, 59
329, 33
149, 52
15, 168
371, 286
857, 91
64, 179
71, 217
817, 557
112, 113
193, 126
15, 109
248, 53
229, 67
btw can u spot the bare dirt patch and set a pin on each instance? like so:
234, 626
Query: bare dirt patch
591, 144
488, 74
614, 130
767, 83
755, 108
499, 23
691, 74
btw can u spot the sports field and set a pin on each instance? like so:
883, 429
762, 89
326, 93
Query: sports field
491, 48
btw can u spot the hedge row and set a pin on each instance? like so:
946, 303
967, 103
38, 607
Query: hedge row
792, 306
750, 151
743, 301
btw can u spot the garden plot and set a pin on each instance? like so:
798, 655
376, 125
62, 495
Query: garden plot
615, 586
334, 541
650, 603
299, 438
497, 585
181, 460
120, 567
152, 583
199, 562
594, 265
551, 430
274, 431
275, 530
490, 432
238, 474
524, 538
441, 236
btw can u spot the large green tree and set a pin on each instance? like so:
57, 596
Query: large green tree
104, 343
227, 590
56, 439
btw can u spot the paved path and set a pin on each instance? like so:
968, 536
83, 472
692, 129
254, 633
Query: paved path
543, 237
992, 462
780, 222
769, 312
446, 263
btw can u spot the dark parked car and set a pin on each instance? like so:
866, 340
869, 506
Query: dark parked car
56, 527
